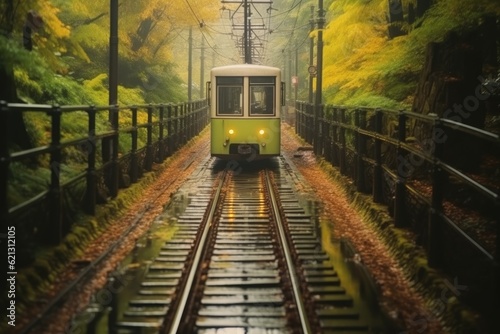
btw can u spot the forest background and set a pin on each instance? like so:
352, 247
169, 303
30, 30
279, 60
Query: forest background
374, 52
363, 64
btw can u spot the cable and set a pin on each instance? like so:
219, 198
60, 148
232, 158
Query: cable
200, 23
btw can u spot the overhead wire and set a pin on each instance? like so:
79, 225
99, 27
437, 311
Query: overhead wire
201, 25
287, 12
262, 37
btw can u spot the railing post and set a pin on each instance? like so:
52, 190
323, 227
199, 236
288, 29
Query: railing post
342, 149
185, 117
192, 110
194, 118
307, 120
4, 161
190, 113
55, 201
318, 130
302, 125
134, 159
335, 132
298, 129
198, 117
204, 114
400, 195
327, 137
161, 139
311, 123
208, 116
148, 163
360, 123
176, 132
114, 169
377, 169
435, 238
182, 118
187, 121
170, 130
297, 103
91, 191
304, 118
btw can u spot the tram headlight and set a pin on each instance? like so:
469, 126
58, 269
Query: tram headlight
231, 132
261, 133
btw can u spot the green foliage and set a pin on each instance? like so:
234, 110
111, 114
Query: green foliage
364, 99
27, 180
160, 83
35, 80
37, 126
71, 47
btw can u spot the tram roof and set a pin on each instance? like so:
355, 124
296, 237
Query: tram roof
245, 70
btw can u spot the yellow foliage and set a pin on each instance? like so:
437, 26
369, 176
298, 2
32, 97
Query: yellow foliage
352, 39
362, 64
146, 29
161, 19
51, 21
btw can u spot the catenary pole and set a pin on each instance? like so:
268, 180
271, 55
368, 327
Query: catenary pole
319, 65
190, 64
311, 57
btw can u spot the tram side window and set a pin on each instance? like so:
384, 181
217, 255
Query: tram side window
229, 95
262, 96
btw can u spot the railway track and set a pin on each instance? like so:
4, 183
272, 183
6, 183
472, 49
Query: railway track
245, 258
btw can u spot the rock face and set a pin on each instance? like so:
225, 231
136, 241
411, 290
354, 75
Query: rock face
450, 86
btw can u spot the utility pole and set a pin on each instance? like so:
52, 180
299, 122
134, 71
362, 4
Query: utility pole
249, 48
190, 63
110, 144
247, 33
296, 71
289, 72
311, 57
319, 65
202, 68
318, 106
285, 71
113, 55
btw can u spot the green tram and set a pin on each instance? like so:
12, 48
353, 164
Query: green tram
245, 103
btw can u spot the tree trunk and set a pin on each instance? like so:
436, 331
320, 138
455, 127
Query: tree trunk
396, 18
422, 6
18, 135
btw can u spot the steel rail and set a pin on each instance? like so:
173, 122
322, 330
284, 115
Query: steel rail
301, 309
86, 272
184, 297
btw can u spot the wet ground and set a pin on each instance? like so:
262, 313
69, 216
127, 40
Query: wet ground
109, 303
338, 219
